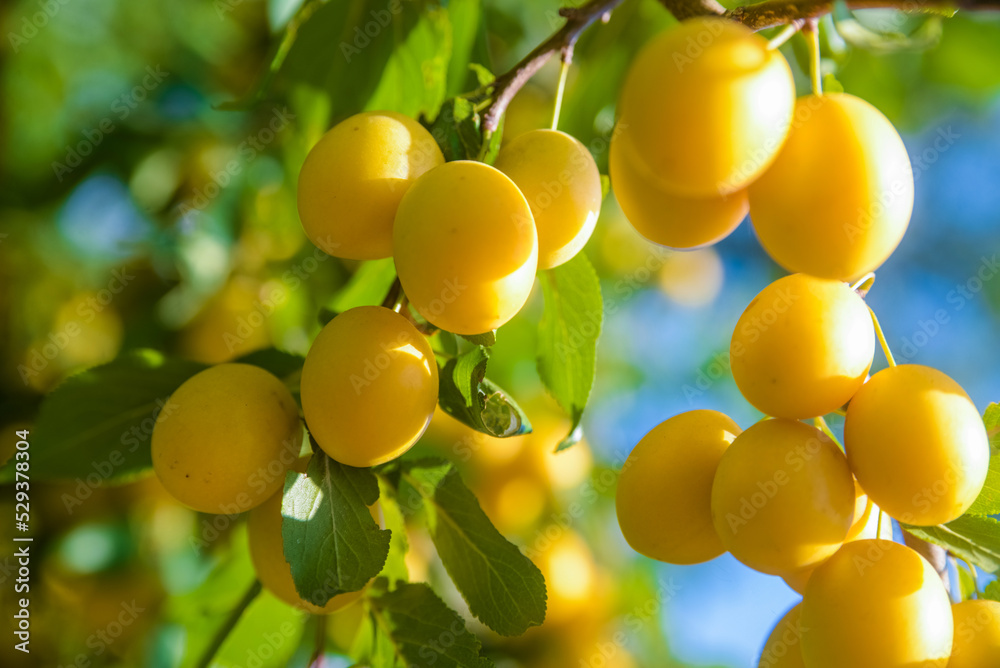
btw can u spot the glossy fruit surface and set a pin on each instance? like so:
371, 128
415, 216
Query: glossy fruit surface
560, 180
664, 492
783, 648
783, 497
665, 218
917, 444
465, 247
803, 347
369, 386
977, 634
838, 199
876, 604
706, 105
866, 526
353, 179
225, 438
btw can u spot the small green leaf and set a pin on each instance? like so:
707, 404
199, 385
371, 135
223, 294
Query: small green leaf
97, 425
991, 418
974, 538
456, 130
992, 591
392, 515
330, 538
567, 335
966, 582
483, 74
467, 395
988, 501
503, 588
486, 339
416, 628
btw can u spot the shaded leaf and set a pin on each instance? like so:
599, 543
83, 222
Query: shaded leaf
416, 628
974, 538
467, 395
330, 538
98, 423
503, 588
568, 334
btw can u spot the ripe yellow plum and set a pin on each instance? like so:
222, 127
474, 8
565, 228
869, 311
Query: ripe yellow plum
783, 497
838, 199
560, 180
666, 218
354, 177
977, 634
866, 526
664, 495
369, 386
876, 604
917, 444
225, 438
707, 106
465, 246
802, 347
783, 648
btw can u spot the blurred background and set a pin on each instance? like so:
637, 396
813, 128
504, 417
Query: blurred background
147, 200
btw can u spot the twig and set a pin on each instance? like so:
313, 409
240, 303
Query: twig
771, 13
509, 83
228, 626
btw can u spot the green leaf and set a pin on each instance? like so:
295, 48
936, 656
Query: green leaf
467, 395
97, 425
991, 418
369, 285
966, 582
416, 628
992, 591
392, 515
974, 538
469, 46
486, 339
330, 538
503, 588
278, 362
456, 130
484, 77
414, 79
567, 336
988, 501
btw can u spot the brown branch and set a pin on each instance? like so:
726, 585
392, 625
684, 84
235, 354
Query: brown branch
767, 14
562, 41
771, 13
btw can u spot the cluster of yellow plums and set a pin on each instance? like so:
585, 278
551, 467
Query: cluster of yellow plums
709, 129
467, 239
784, 499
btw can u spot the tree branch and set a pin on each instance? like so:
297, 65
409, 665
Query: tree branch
562, 41
771, 13
767, 14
